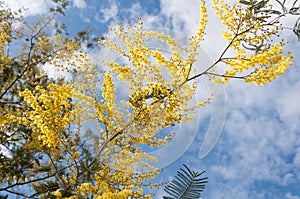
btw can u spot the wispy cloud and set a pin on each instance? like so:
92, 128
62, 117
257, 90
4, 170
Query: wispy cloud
79, 4
5, 152
108, 13
32, 7
56, 72
291, 196
184, 15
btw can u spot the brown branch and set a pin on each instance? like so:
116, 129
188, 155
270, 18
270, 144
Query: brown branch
28, 182
17, 193
104, 145
56, 170
8, 102
230, 76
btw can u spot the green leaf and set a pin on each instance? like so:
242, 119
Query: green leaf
247, 2
297, 29
295, 11
259, 5
65, 4
90, 45
244, 2
271, 12
187, 184
63, 26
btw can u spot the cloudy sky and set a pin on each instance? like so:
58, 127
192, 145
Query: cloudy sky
248, 140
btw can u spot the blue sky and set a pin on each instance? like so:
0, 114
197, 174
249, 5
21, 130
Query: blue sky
257, 154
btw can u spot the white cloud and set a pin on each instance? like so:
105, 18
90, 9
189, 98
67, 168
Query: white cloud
151, 21
296, 161
135, 11
79, 4
288, 178
33, 7
4, 151
56, 72
184, 15
288, 105
256, 145
108, 13
291, 196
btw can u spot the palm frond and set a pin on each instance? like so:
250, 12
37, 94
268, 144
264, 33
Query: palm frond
186, 185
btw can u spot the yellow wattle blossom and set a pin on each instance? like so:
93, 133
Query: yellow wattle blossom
75, 155
262, 61
58, 194
50, 115
158, 91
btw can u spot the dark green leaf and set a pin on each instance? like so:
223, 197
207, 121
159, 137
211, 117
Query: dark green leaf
271, 12
63, 26
64, 5
187, 184
297, 29
247, 2
58, 31
295, 11
90, 45
60, 10
259, 5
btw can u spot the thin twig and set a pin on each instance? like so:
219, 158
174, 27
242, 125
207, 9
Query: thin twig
28, 182
17, 193
230, 76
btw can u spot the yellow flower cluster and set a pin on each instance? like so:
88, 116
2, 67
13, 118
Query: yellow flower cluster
263, 62
108, 91
5, 37
148, 85
5, 33
50, 113
111, 183
197, 38
44, 44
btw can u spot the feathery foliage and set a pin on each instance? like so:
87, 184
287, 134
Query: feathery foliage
188, 184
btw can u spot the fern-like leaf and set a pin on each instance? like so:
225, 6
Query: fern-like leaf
186, 185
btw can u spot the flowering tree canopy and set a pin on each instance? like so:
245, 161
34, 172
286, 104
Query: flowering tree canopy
41, 119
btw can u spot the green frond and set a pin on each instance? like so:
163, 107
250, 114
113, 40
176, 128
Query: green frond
186, 185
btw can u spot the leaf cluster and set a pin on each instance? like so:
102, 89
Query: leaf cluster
188, 184
259, 7
60, 6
